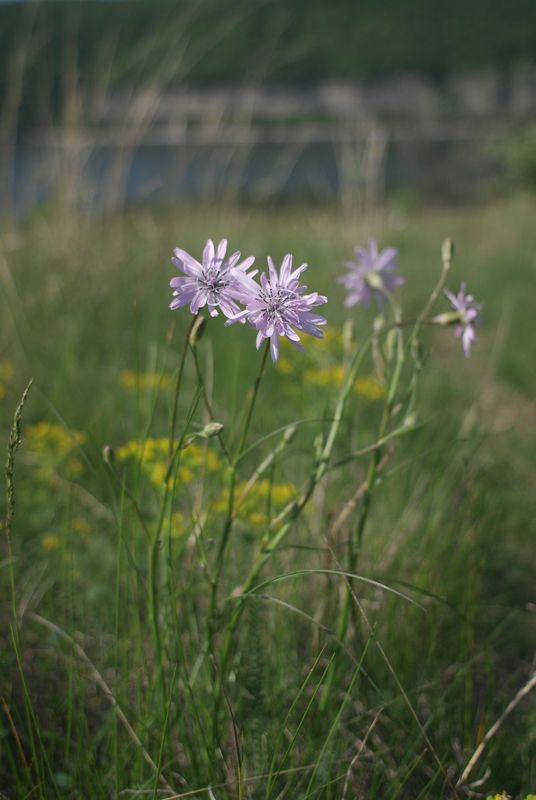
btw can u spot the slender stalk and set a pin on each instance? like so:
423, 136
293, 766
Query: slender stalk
154, 541
253, 398
15, 438
206, 400
178, 385
356, 541
229, 520
284, 522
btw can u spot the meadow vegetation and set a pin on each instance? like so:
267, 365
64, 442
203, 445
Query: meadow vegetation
175, 621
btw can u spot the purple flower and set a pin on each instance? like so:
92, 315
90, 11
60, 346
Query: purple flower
279, 305
370, 275
466, 314
217, 282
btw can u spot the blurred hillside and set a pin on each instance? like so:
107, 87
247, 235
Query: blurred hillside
188, 42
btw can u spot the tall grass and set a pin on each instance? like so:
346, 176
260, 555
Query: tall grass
202, 635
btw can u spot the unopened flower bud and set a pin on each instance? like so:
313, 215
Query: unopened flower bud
447, 318
212, 429
108, 454
447, 252
197, 330
411, 420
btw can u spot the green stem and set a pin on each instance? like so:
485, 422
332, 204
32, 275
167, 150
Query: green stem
178, 385
208, 404
155, 600
229, 519
283, 523
253, 398
154, 542
356, 540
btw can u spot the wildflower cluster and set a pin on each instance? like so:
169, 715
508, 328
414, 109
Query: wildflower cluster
145, 381
152, 455
276, 307
257, 502
371, 276
54, 448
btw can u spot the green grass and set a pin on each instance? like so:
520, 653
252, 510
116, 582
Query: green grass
112, 608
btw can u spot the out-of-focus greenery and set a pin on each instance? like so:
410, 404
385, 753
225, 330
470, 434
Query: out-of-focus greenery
84, 312
129, 42
517, 156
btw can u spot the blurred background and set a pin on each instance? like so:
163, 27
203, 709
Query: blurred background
128, 128
106, 104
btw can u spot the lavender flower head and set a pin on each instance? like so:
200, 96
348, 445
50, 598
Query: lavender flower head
370, 275
280, 304
216, 283
466, 314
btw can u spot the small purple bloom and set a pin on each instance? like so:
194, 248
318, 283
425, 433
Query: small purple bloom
216, 283
280, 304
467, 312
370, 275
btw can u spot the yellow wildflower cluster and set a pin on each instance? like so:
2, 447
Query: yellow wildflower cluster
253, 508
6, 373
331, 342
326, 376
153, 456
54, 445
366, 386
145, 380
327, 371
80, 528
51, 542
317, 349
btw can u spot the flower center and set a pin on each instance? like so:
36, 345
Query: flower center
277, 301
214, 280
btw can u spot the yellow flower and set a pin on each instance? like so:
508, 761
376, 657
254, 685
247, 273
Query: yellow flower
283, 492
285, 365
279, 493
178, 525
53, 438
6, 371
326, 376
367, 386
51, 542
257, 518
153, 455
54, 447
81, 527
145, 380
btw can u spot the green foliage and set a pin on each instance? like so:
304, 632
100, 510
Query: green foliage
135, 42
83, 312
